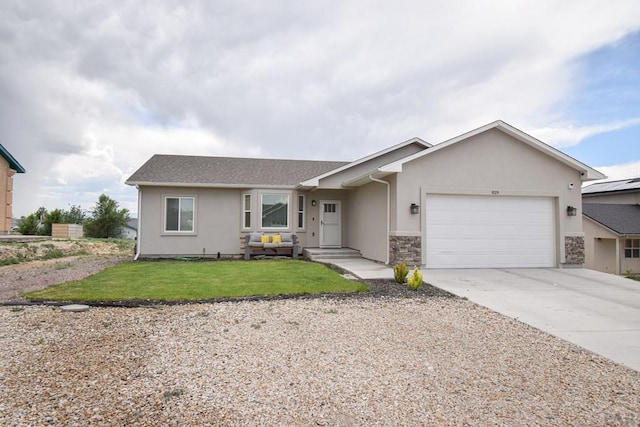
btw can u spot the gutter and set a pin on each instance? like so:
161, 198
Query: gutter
135, 258
388, 212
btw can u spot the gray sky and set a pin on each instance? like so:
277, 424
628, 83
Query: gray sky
92, 89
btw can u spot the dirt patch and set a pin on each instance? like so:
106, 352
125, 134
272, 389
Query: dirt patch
37, 265
33, 276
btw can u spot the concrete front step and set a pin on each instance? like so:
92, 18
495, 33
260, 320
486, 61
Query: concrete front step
339, 253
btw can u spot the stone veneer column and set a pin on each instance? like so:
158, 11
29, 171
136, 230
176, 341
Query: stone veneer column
405, 248
574, 250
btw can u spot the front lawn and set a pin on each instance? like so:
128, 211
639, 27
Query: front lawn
180, 280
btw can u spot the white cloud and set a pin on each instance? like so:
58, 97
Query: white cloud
92, 90
618, 172
572, 135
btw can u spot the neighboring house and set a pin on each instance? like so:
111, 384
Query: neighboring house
130, 230
9, 166
492, 197
611, 223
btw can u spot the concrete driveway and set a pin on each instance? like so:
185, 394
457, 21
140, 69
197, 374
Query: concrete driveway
597, 311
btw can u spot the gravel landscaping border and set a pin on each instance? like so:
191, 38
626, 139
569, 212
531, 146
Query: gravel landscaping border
387, 357
322, 361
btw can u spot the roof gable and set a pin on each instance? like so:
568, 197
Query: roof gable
13, 163
621, 219
587, 172
315, 181
177, 170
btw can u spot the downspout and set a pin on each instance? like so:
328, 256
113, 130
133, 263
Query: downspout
135, 258
388, 211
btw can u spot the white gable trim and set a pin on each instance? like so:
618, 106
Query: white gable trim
315, 181
587, 172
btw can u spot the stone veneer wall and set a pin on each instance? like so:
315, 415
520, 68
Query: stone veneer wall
405, 248
574, 249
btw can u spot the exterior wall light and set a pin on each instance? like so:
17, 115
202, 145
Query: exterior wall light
415, 209
572, 211
313, 203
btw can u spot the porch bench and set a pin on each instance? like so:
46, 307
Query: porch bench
271, 242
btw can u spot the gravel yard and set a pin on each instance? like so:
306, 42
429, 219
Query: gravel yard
375, 361
382, 359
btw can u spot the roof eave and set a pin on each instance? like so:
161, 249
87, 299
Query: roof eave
586, 173
208, 185
13, 163
601, 224
606, 227
315, 181
365, 178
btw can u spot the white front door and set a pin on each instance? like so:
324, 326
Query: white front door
330, 226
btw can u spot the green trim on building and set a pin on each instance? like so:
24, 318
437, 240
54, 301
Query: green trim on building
13, 163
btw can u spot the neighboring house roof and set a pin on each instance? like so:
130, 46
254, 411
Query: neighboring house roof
133, 224
13, 163
587, 172
612, 186
174, 170
621, 219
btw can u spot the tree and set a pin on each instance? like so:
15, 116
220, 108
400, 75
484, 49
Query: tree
74, 215
29, 225
106, 219
56, 216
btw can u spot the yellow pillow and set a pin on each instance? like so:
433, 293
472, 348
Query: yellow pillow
264, 238
276, 238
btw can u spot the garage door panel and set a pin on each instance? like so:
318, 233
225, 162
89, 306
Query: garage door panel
479, 231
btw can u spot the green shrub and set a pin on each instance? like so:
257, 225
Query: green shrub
13, 260
629, 274
400, 272
415, 280
52, 254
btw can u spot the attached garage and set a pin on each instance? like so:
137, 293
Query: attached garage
489, 231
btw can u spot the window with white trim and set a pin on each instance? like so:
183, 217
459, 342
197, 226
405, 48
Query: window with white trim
300, 211
179, 214
274, 210
632, 248
246, 211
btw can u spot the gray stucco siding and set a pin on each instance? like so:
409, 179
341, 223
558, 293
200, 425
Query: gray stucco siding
367, 218
217, 215
491, 163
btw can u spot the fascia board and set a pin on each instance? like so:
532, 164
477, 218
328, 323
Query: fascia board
587, 173
314, 182
365, 178
13, 163
205, 185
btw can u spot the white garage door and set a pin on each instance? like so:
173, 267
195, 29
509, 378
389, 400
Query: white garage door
489, 232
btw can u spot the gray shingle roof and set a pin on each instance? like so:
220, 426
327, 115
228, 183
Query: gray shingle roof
606, 187
623, 219
236, 171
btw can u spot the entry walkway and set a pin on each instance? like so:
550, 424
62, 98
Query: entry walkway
597, 311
